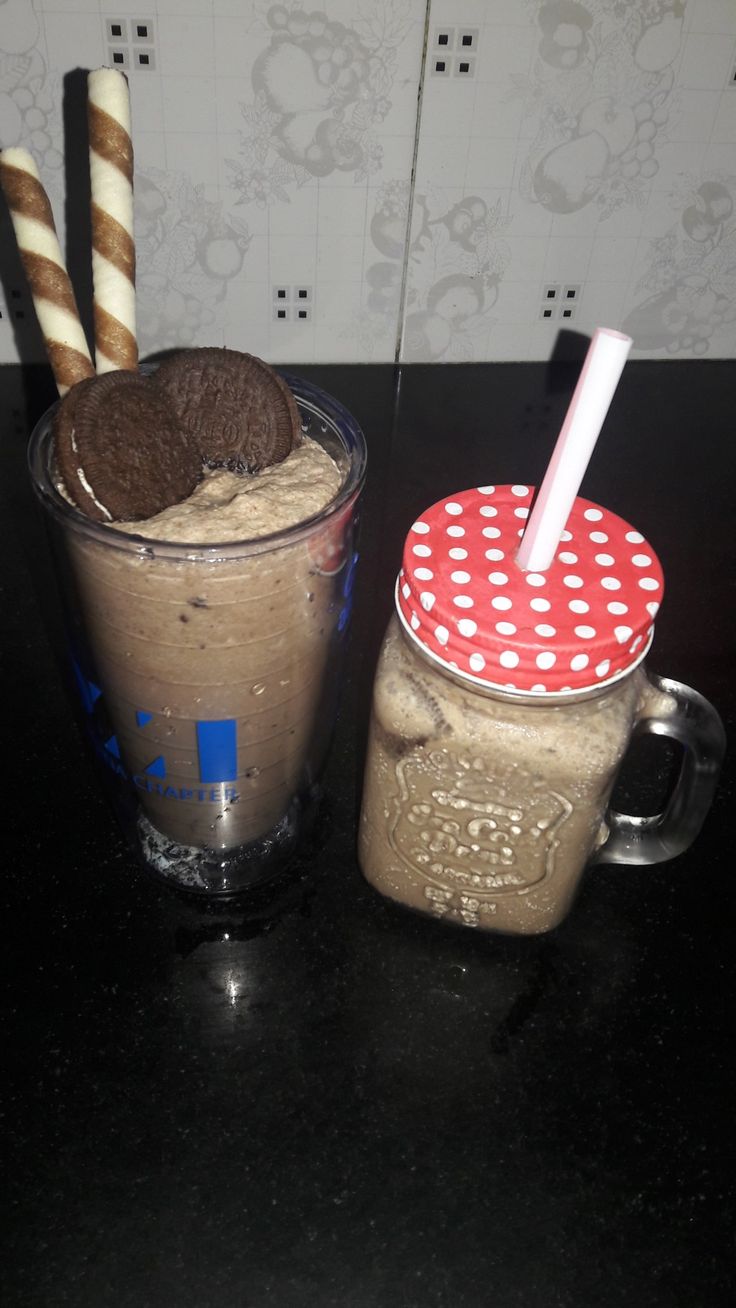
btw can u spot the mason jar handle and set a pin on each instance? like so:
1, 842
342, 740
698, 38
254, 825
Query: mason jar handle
673, 710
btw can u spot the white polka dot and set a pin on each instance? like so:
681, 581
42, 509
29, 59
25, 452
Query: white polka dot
486, 490
598, 537
497, 578
540, 605
421, 528
635, 537
605, 560
603, 669
585, 633
427, 599
649, 583
463, 601
505, 628
593, 515
423, 574
572, 581
535, 579
467, 627
521, 513
501, 602
539, 688
567, 556
641, 560
488, 511
508, 658
622, 634
578, 662
617, 608
422, 551
414, 620
457, 552
441, 635
460, 577
652, 608
544, 629
495, 555
491, 532
611, 583
579, 606
546, 659
477, 662
566, 535
453, 508
406, 590
455, 531
519, 490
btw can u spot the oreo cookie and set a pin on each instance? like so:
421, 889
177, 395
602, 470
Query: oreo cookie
240, 414
121, 451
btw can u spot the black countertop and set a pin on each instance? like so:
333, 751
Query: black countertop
322, 1101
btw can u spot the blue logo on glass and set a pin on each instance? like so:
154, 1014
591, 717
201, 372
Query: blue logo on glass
217, 751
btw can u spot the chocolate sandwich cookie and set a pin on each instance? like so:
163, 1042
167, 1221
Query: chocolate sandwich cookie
239, 411
121, 452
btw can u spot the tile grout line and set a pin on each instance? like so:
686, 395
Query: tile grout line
412, 185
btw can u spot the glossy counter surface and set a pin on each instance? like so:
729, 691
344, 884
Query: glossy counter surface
322, 1101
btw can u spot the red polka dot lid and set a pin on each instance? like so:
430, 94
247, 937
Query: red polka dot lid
588, 618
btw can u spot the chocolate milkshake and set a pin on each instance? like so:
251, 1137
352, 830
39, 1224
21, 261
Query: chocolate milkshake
207, 641
484, 808
503, 705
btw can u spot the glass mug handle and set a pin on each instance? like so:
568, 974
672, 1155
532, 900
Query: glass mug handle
674, 710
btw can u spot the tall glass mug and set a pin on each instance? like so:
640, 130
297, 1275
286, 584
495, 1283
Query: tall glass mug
504, 703
209, 674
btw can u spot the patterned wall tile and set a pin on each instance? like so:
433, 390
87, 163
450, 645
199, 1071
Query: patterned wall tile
584, 145
596, 119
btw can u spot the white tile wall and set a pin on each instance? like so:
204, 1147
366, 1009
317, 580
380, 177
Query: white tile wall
587, 149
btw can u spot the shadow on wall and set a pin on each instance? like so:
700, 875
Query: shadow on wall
16, 306
77, 187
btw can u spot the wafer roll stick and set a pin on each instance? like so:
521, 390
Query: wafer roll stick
113, 248
38, 246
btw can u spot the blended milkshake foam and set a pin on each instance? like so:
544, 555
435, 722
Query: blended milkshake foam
483, 808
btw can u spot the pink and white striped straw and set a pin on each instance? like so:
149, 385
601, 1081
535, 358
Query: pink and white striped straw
604, 363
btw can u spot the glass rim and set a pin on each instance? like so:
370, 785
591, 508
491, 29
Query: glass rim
307, 395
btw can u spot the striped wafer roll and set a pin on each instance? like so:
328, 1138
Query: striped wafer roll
38, 245
113, 249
